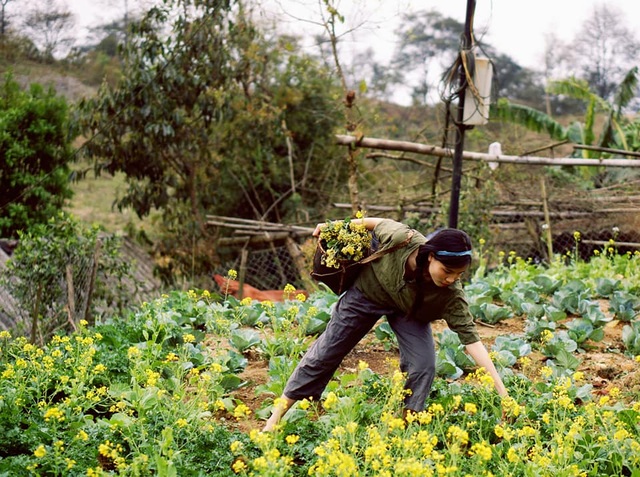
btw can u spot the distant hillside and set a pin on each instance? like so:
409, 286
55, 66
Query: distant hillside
65, 85
58, 76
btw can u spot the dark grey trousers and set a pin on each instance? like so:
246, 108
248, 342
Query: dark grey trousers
352, 318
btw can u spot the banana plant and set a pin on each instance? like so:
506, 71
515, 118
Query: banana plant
612, 135
530, 118
616, 129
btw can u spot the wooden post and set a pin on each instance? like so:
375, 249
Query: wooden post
35, 313
547, 219
92, 281
456, 177
71, 298
243, 271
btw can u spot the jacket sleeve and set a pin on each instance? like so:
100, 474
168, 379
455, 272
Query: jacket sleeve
459, 319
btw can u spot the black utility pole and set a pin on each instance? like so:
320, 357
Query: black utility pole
460, 127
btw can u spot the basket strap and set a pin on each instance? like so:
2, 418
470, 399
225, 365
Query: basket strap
384, 251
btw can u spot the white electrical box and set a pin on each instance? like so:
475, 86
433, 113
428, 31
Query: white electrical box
478, 97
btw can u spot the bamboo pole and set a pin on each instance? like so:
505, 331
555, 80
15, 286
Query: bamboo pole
235, 222
615, 244
260, 238
509, 213
606, 149
430, 150
547, 218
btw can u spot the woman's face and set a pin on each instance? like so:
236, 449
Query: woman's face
441, 274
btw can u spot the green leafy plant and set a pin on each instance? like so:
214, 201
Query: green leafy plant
520, 305
36, 152
625, 306
560, 341
508, 349
490, 312
536, 328
386, 336
631, 338
606, 287
244, 339
564, 362
567, 297
451, 359
590, 310
582, 330
48, 276
547, 284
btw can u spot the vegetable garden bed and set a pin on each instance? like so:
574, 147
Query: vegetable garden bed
181, 387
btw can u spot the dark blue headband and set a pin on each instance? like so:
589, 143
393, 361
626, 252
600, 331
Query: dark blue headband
444, 253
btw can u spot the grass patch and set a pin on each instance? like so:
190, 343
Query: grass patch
94, 200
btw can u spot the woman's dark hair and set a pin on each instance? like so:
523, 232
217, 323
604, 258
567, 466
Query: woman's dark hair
452, 247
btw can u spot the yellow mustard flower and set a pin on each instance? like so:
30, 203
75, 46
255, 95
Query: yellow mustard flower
239, 466
182, 422
330, 401
40, 452
292, 439
241, 411
470, 408
236, 446
304, 404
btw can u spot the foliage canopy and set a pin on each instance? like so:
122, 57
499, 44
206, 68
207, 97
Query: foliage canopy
211, 117
34, 145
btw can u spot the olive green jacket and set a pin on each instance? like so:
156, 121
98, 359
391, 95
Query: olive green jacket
383, 282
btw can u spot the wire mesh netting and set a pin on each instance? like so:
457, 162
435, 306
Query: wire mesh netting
269, 268
78, 290
541, 217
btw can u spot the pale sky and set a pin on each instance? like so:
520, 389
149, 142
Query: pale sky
515, 27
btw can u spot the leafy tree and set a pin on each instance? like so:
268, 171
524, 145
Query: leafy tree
4, 17
34, 172
424, 37
51, 25
99, 60
611, 135
516, 82
430, 42
210, 117
604, 50
556, 57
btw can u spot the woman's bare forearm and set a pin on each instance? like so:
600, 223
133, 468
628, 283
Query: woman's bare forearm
481, 356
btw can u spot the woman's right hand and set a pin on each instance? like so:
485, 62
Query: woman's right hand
316, 231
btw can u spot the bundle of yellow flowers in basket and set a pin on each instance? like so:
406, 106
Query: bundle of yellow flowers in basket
342, 244
343, 241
